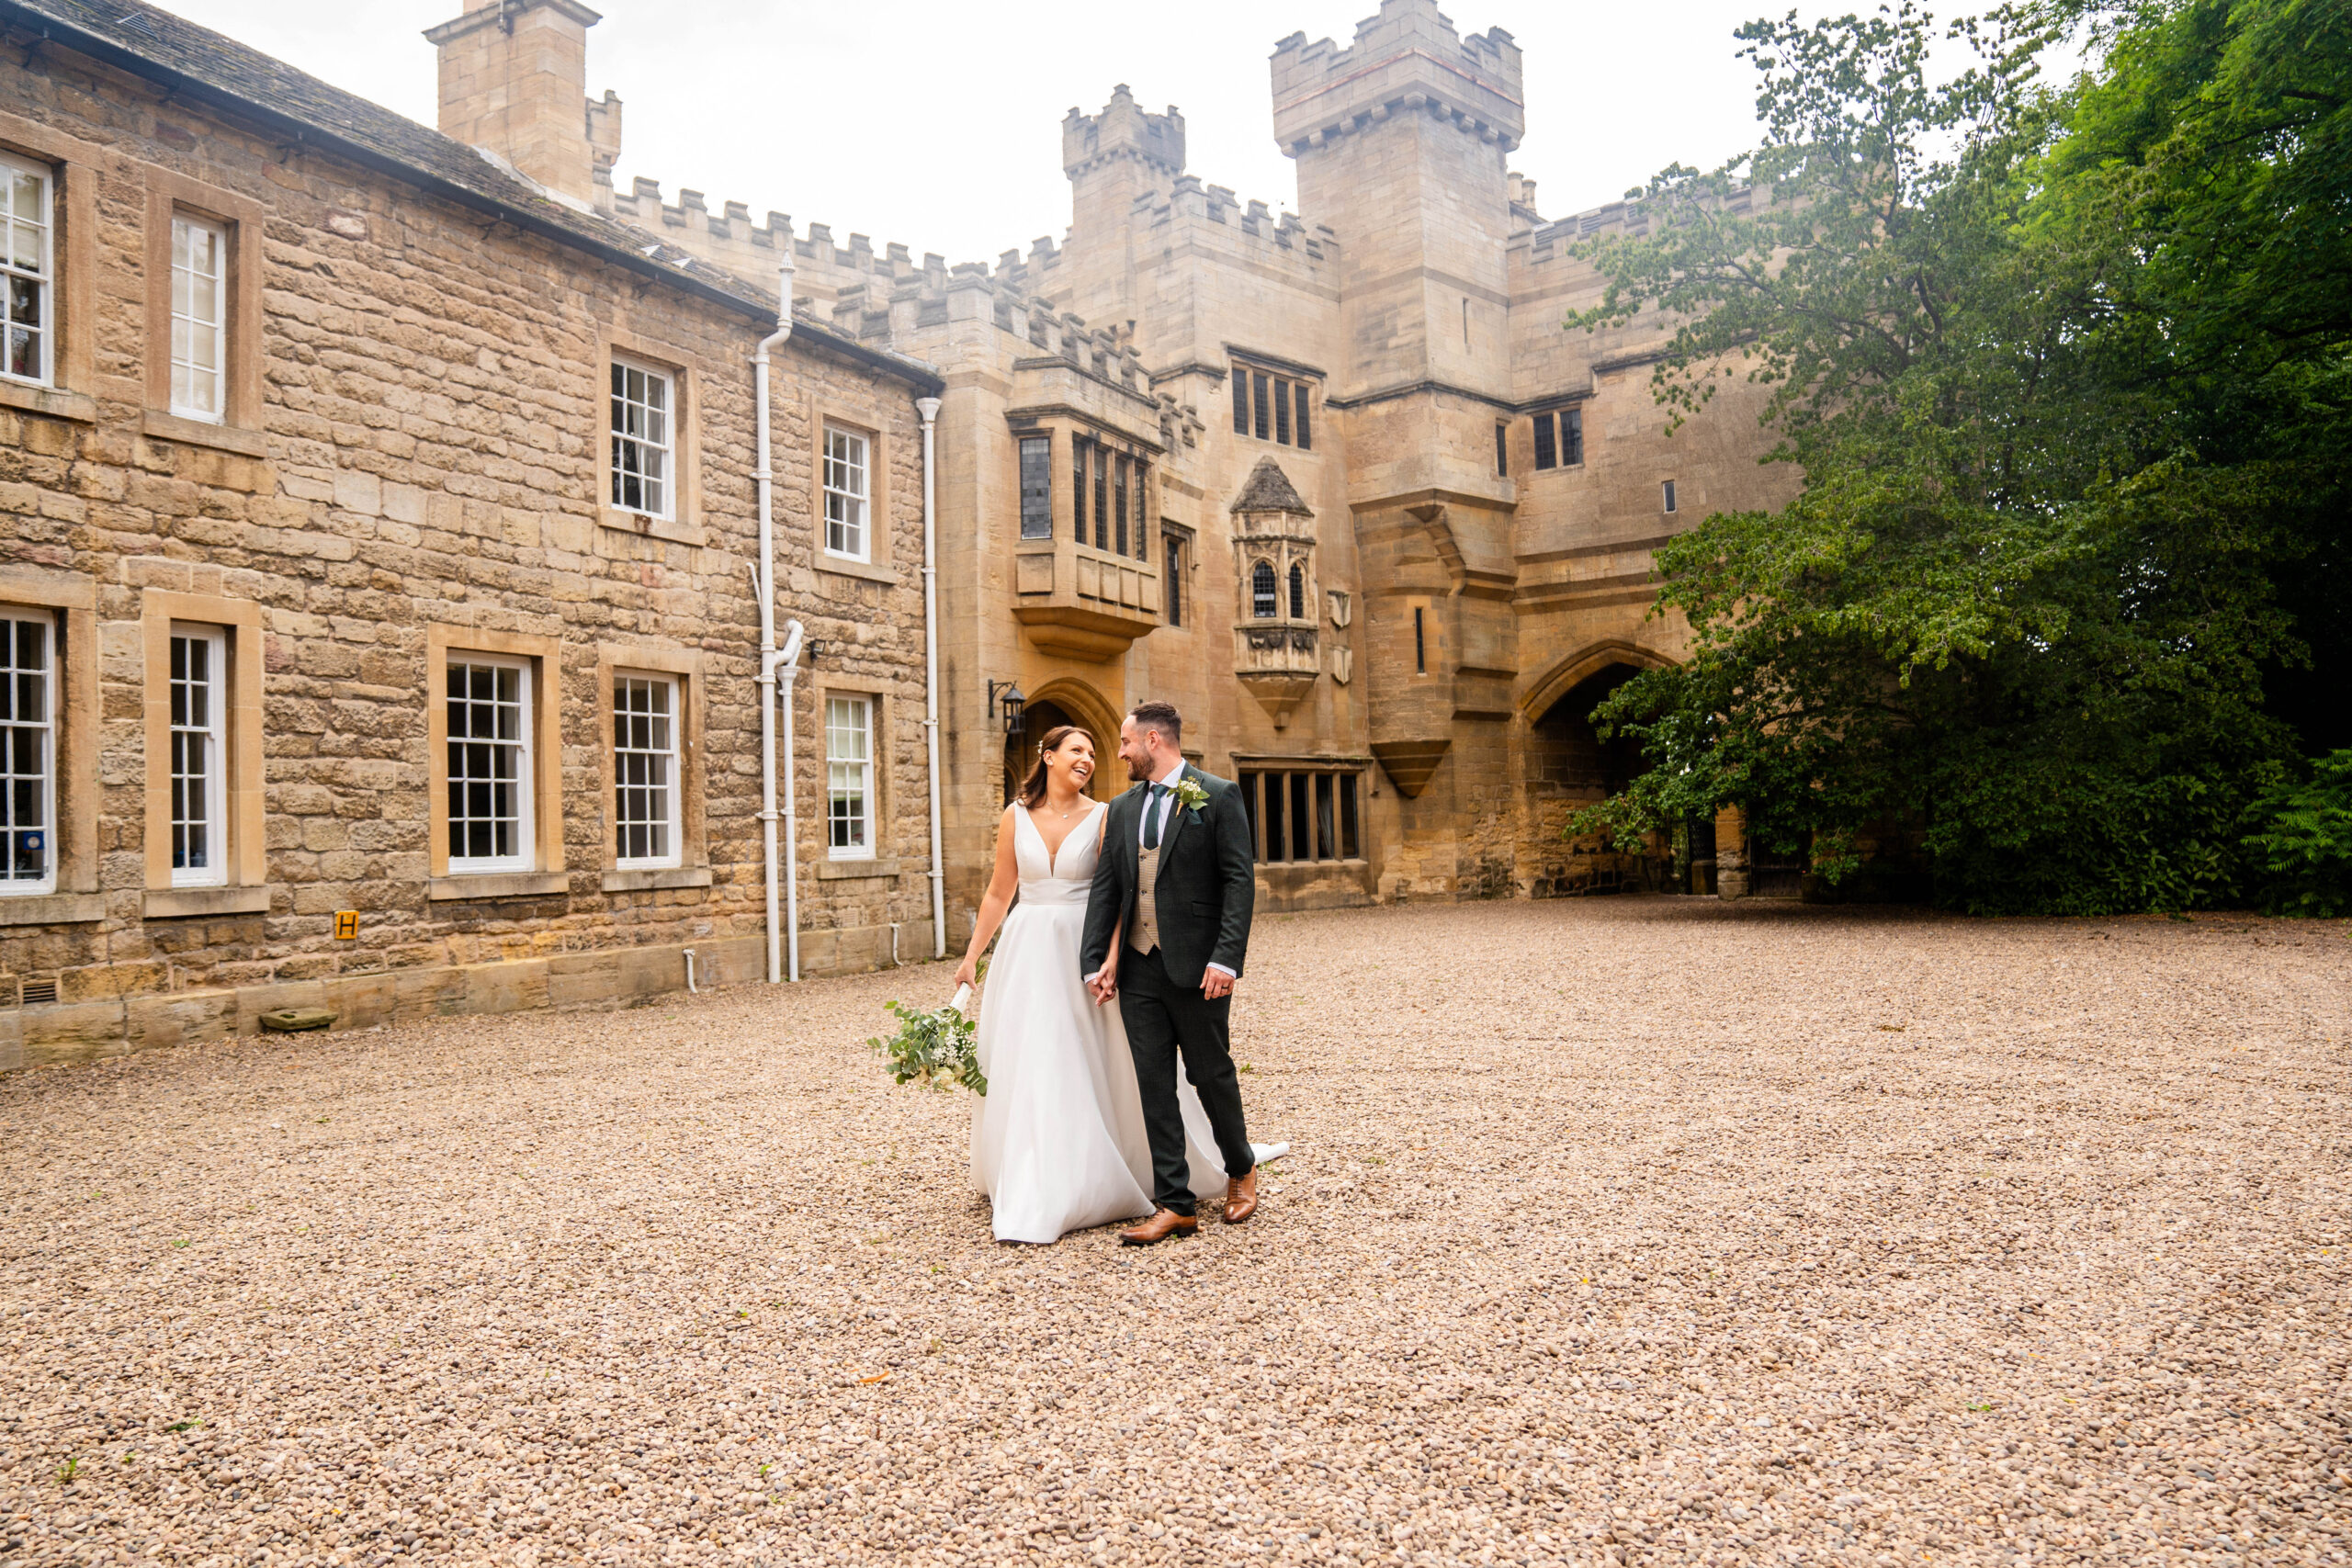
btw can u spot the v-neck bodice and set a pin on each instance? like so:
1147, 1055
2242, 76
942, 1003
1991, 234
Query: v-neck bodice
1061, 876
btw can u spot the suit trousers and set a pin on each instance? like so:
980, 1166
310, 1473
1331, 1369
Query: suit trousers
1165, 1019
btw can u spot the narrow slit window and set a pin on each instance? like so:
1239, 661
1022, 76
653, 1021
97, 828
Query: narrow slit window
1265, 600
490, 764
1670, 495
1298, 394
1547, 454
645, 771
1036, 487
1502, 451
28, 752
847, 477
198, 754
27, 273
643, 432
1175, 552
849, 777
199, 315
1421, 646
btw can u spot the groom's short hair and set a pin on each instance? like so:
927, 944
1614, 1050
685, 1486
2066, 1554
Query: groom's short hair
1161, 717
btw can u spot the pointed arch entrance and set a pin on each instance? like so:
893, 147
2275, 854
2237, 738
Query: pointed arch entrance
1569, 764
1067, 701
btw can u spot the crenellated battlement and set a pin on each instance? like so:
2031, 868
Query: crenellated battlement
1282, 241
1551, 241
1406, 60
1123, 131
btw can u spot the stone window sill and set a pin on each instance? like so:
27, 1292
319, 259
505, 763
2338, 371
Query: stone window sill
53, 909
842, 566
646, 527
497, 885
162, 426
646, 881
50, 401
174, 903
854, 870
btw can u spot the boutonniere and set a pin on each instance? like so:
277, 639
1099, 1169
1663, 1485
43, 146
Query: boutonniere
1190, 795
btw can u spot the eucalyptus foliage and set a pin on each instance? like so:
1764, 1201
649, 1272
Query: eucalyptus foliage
2062, 447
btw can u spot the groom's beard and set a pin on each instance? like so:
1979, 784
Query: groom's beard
1138, 772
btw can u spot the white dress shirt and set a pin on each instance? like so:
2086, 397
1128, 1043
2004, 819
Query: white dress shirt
1167, 784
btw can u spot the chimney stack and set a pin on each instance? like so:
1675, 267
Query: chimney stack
515, 81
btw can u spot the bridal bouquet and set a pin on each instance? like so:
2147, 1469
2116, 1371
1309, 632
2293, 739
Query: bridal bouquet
934, 1048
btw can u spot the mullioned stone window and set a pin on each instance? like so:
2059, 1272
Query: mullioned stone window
1271, 407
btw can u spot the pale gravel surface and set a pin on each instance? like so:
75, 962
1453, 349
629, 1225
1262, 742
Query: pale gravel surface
1638, 1230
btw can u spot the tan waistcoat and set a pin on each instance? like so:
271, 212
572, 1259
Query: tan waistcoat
1143, 927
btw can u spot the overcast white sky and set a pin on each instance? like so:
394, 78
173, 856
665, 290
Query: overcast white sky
939, 125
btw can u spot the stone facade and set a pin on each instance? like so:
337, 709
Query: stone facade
1472, 594
1340, 486
408, 462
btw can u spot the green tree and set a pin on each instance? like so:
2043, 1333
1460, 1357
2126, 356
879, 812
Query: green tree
2026, 603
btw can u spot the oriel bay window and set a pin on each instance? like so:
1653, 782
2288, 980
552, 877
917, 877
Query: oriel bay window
1303, 816
1108, 499
27, 751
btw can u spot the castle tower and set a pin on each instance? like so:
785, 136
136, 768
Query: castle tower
513, 81
1400, 140
1112, 159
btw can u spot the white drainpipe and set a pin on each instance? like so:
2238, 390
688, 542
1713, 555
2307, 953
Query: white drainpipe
788, 665
929, 407
763, 477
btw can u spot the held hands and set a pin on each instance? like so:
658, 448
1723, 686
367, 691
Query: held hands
1103, 985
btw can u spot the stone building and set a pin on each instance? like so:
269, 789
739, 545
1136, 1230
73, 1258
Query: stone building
1339, 485
376, 527
314, 411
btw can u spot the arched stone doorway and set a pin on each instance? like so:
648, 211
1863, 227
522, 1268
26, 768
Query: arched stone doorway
1570, 765
1066, 702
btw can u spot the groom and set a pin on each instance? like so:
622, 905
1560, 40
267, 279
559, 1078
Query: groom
1176, 883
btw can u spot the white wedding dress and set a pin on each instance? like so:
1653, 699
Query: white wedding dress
1058, 1141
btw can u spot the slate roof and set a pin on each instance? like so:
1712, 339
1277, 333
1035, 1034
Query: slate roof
218, 71
1268, 488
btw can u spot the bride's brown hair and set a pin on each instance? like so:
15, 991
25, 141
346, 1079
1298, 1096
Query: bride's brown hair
1032, 788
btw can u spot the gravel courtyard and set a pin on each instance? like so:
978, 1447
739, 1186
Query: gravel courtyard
1636, 1230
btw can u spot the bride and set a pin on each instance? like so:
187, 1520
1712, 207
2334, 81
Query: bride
1058, 1141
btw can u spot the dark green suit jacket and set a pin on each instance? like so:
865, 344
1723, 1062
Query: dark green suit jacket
1207, 884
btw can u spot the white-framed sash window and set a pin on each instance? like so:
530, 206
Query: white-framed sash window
27, 751
27, 273
199, 761
645, 771
199, 315
847, 488
489, 762
644, 435
849, 778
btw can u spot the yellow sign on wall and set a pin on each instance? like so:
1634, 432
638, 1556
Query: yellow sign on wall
346, 925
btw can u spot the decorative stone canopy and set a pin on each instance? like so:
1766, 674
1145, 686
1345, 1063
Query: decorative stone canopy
1268, 488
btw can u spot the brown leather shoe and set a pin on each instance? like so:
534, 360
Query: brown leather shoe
1164, 1224
1241, 1197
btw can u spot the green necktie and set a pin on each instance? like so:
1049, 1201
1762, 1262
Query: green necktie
1151, 817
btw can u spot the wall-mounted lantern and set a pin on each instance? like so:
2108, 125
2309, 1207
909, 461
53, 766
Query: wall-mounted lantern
1012, 705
